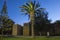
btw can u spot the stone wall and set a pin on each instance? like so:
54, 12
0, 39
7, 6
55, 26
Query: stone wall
17, 30
26, 30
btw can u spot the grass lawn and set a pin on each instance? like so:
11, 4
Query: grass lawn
30, 38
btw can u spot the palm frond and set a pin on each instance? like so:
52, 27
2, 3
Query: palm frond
34, 4
37, 5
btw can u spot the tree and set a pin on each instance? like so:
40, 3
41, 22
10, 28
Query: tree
41, 21
56, 28
8, 26
4, 19
31, 9
6, 23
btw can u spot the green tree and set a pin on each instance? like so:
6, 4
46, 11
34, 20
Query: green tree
31, 8
3, 18
41, 21
56, 28
8, 25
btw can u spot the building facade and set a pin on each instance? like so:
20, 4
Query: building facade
17, 30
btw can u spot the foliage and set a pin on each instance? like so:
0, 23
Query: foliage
31, 9
6, 24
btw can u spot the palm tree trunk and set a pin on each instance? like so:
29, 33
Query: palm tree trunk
32, 24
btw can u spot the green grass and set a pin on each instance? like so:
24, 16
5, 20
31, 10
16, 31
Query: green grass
30, 38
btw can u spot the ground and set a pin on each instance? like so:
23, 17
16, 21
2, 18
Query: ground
30, 38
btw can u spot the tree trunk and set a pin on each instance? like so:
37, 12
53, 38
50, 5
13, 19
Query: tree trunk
32, 23
2, 34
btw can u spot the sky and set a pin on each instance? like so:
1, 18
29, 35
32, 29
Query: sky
52, 7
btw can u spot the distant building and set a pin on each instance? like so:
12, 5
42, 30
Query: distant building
17, 30
26, 29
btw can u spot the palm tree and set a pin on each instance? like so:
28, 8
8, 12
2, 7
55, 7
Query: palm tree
31, 9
